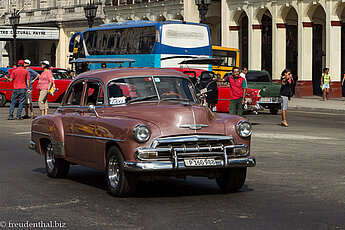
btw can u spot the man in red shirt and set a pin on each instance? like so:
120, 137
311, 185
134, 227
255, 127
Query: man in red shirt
238, 87
20, 77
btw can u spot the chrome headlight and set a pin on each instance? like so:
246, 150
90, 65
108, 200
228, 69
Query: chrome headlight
141, 133
244, 128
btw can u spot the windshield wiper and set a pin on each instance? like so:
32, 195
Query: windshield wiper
142, 98
175, 99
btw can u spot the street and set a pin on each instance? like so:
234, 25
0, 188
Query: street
298, 183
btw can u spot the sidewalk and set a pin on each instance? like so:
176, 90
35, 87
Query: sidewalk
316, 103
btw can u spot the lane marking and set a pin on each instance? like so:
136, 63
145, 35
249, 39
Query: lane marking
24, 208
23, 133
289, 136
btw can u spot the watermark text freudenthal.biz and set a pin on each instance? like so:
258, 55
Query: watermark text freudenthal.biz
28, 224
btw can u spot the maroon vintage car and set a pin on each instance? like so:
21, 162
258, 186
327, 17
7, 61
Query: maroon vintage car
140, 123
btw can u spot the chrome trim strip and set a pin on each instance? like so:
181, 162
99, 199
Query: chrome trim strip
193, 138
169, 166
93, 137
40, 133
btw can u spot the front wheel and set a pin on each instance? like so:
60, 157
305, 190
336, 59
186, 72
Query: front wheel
119, 182
2, 100
55, 167
273, 110
232, 179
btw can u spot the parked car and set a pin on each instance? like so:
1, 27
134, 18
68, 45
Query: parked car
267, 91
61, 80
142, 123
261, 93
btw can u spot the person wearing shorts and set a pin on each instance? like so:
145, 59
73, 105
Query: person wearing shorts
325, 83
285, 90
45, 82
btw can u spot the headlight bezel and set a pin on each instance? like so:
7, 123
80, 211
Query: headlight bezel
239, 127
136, 134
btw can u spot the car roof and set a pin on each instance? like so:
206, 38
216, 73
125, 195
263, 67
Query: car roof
114, 73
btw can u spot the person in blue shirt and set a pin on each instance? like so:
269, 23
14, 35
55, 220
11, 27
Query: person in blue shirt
28, 101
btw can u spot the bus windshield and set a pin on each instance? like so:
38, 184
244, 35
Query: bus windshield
230, 57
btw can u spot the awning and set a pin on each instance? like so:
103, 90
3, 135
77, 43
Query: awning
203, 61
31, 33
102, 60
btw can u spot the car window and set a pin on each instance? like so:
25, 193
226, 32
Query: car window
129, 89
75, 94
257, 76
94, 94
58, 74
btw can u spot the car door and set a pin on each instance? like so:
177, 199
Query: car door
67, 110
84, 124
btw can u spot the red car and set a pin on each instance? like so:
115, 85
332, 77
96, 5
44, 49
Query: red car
61, 80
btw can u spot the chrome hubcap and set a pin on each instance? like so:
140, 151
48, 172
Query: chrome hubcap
113, 172
50, 158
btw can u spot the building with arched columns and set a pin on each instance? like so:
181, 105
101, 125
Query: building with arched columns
305, 36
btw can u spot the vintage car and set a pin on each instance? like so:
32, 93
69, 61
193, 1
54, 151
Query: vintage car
142, 124
61, 80
261, 93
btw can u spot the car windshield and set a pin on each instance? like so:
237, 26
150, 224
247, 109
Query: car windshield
134, 89
257, 76
3, 73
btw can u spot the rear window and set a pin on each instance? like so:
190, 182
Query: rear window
257, 77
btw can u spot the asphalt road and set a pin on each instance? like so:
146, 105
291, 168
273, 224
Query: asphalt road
298, 183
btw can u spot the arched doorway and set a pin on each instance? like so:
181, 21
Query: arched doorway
266, 46
319, 48
243, 39
292, 43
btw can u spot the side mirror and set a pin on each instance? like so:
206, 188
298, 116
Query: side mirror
92, 109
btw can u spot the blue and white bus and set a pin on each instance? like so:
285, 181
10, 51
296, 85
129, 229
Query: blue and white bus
150, 44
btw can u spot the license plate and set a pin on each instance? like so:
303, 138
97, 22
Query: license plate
199, 162
249, 100
265, 99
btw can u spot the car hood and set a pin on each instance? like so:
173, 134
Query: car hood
172, 118
268, 89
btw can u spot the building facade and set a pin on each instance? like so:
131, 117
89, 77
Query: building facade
303, 35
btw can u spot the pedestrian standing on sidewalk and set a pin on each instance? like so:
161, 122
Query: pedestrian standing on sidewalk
325, 83
20, 77
238, 87
45, 82
285, 93
28, 101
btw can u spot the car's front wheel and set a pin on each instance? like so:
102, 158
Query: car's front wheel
119, 182
232, 179
55, 167
273, 110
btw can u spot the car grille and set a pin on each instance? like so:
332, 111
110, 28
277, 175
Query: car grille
182, 147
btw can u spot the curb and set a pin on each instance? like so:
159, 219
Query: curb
329, 110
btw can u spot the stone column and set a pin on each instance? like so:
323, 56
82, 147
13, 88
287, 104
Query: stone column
278, 49
233, 42
304, 85
254, 48
62, 53
190, 12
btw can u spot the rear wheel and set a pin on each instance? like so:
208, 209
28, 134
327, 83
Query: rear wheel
2, 100
232, 179
119, 182
55, 167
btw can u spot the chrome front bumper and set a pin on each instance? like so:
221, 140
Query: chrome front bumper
154, 166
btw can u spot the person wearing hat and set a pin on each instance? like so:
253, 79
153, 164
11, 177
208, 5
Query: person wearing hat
20, 77
45, 82
28, 101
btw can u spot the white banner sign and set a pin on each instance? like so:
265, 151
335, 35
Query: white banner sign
30, 33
